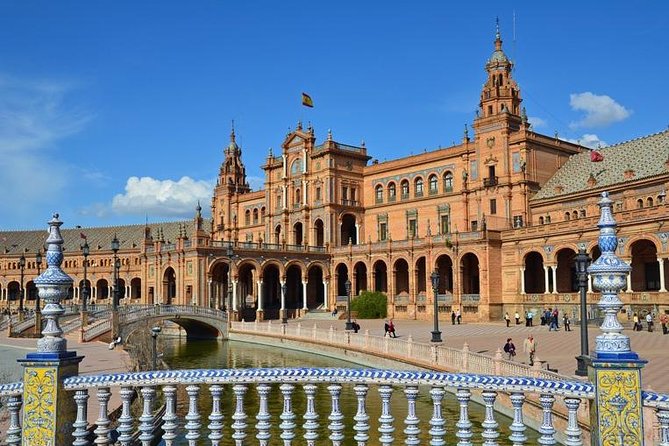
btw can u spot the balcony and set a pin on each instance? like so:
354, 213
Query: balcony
490, 181
350, 202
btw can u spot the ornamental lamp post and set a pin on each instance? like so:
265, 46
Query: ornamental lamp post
85, 250
284, 315
582, 261
154, 334
436, 334
349, 324
38, 309
22, 265
115, 245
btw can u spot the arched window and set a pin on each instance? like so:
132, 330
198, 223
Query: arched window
298, 197
392, 192
541, 220
567, 216
433, 184
247, 217
255, 216
574, 215
405, 189
418, 187
649, 202
379, 193
448, 182
296, 167
639, 203
262, 214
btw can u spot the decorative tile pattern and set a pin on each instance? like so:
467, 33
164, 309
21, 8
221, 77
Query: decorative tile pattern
39, 411
619, 407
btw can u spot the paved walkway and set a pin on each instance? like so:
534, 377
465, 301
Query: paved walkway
559, 348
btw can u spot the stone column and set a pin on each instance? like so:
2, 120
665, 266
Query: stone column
283, 296
326, 298
522, 280
48, 409
663, 288
546, 279
260, 307
628, 282
304, 296
615, 368
357, 233
234, 295
554, 268
589, 284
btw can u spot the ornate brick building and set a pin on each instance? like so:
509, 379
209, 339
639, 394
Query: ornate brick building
499, 216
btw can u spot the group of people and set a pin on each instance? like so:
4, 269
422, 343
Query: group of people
638, 325
551, 317
456, 317
529, 347
528, 318
389, 329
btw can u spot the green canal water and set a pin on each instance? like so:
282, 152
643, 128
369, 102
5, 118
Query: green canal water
180, 354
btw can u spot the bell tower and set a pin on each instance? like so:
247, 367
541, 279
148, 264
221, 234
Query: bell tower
500, 97
233, 173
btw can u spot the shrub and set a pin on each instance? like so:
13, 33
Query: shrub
370, 305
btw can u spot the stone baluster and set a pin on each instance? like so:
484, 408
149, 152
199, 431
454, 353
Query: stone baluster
573, 432
170, 418
437, 422
546, 429
336, 426
239, 417
464, 432
386, 428
287, 416
102, 431
310, 416
14, 429
146, 419
263, 416
663, 420
490, 426
81, 423
517, 428
411, 421
361, 418
193, 416
125, 427
216, 416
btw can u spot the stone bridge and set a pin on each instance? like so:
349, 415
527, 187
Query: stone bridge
199, 322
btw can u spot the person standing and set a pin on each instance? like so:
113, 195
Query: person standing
458, 316
664, 320
530, 316
452, 317
566, 322
507, 318
635, 318
530, 348
649, 320
391, 329
386, 329
510, 349
517, 317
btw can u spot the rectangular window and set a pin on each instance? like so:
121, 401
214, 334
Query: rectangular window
515, 159
412, 228
475, 225
443, 224
493, 206
344, 193
383, 232
318, 194
353, 194
474, 170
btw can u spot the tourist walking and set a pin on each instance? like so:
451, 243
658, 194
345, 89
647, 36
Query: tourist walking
566, 322
552, 325
635, 319
507, 318
649, 321
453, 317
458, 316
530, 348
664, 320
356, 326
530, 316
556, 318
510, 349
334, 311
386, 329
517, 317
391, 329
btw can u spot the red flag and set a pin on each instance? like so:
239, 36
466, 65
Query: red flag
596, 156
82, 235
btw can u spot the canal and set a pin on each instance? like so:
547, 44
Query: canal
180, 354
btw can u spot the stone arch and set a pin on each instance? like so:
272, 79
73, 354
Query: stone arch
348, 229
420, 275
533, 275
101, 289
271, 263
470, 268
627, 248
566, 271
169, 286
247, 293
135, 288
315, 288
360, 275
401, 276
380, 273
319, 233
298, 234
341, 274
645, 274
220, 285
14, 291
277, 234
444, 267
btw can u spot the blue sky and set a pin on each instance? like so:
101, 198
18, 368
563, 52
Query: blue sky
112, 112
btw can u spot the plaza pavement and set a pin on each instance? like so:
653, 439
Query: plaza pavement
558, 349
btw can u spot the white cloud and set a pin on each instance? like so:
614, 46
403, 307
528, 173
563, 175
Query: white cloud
165, 198
537, 122
600, 110
588, 140
34, 117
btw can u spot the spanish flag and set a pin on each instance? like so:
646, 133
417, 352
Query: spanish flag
306, 100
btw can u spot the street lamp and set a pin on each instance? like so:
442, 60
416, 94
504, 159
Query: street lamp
284, 316
349, 324
230, 308
22, 265
84, 290
38, 314
154, 334
436, 334
115, 245
582, 261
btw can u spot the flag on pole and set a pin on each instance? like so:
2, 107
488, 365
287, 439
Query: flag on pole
82, 235
306, 100
596, 156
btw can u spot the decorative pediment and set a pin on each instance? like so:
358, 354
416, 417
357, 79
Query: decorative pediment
491, 160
